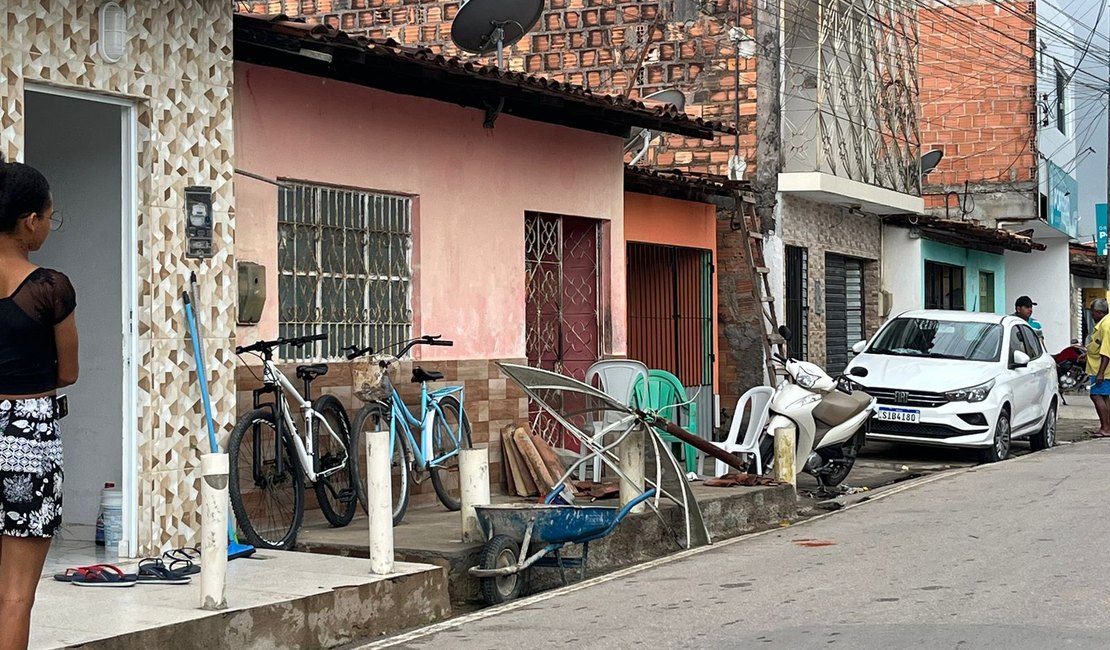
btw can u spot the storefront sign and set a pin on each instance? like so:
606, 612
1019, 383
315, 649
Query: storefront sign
1063, 201
1100, 227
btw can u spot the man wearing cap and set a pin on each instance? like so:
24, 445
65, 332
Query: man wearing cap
1023, 309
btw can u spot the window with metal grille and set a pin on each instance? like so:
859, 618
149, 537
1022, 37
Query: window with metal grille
1061, 106
944, 286
344, 268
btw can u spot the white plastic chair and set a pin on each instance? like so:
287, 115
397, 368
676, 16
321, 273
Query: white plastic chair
759, 398
617, 378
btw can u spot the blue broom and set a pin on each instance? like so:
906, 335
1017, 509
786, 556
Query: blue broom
234, 548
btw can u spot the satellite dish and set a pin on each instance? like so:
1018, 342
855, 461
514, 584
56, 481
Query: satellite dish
482, 26
640, 138
930, 161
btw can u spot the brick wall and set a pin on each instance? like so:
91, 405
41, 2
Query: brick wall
978, 90
491, 401
739, 328
593, 43
823, 229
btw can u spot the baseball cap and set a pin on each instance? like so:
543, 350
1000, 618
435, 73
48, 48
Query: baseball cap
1024, 301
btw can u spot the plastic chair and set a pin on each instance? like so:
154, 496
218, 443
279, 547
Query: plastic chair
759, 398
617, 378
664, 394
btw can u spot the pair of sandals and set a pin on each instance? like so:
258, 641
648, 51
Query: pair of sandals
1096, 434
154, 570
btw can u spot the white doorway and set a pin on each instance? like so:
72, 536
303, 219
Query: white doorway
85, 146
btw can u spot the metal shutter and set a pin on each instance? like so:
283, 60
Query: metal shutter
843, 310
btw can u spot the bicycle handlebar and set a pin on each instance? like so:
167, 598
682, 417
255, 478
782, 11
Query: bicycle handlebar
355, 352
262, 346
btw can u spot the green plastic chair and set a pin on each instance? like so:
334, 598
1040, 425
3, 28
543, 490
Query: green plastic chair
664, 394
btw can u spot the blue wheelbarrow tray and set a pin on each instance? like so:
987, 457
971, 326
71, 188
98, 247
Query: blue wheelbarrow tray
549, 527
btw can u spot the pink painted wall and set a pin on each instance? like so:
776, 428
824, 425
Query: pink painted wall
472, 187
660, 220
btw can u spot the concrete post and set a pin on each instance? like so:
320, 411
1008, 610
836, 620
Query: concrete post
379, 501
631, 452
784, 455
474, 489
213, 530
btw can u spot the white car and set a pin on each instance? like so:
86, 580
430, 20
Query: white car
958, 379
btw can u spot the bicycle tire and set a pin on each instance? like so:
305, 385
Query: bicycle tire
281, 534
449, 406
329, 490
375, 417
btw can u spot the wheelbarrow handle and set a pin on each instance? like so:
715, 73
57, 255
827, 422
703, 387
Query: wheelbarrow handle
628, 508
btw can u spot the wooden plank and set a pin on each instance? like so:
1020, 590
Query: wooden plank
550, 459
533, 461
522, 477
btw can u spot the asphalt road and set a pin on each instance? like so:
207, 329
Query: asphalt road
1011, 555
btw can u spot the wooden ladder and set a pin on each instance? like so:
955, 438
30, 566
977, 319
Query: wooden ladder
747, 224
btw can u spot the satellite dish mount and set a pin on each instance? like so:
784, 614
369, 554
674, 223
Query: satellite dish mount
482, 26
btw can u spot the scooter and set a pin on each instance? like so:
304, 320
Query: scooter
831, 420
1071, 370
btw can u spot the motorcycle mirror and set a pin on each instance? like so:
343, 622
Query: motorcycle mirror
785, 333
858, 372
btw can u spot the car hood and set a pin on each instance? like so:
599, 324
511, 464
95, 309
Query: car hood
916, 373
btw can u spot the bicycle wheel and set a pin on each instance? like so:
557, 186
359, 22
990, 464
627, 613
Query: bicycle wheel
268, 502
450, 433
335, 492
375, 417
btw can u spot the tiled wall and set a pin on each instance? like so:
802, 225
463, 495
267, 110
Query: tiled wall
492, 401
178, 70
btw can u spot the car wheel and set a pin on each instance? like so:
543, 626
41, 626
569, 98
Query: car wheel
1046, 437
1000, 449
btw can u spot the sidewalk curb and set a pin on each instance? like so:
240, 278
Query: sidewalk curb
681, 555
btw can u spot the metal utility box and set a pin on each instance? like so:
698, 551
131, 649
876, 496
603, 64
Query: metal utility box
252, 292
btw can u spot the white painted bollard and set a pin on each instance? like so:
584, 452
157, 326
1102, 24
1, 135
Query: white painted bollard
631, 452
213, 530
379, 501
474, 490
784, 455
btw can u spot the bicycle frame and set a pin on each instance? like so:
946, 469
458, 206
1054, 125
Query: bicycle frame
276, 382
400, 415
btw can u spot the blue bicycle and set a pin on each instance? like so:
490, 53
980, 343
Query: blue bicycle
441, 422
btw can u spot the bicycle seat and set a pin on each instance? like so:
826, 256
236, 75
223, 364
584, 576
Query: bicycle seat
419, 375
312, 372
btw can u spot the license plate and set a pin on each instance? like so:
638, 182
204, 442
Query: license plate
909, 416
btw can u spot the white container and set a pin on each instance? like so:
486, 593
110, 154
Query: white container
111, 505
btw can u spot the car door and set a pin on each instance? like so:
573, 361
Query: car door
1042, 365
1022, 383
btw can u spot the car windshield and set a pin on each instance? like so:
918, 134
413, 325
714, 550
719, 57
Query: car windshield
939, 339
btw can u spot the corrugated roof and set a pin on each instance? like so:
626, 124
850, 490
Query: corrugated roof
280, 40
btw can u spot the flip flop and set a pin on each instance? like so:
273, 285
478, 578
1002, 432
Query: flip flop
186, 554
1096, 434
154, 571
72, 572
103, 575
184, 567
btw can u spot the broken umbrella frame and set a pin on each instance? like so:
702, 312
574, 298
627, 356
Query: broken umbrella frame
520, 536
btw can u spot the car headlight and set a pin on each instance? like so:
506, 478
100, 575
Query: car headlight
806, 380
973, 394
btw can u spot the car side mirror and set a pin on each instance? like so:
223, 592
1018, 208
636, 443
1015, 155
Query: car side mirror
785, 333
1021, 360
858, 371
860, 346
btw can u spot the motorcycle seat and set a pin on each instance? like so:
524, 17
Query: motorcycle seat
836, 408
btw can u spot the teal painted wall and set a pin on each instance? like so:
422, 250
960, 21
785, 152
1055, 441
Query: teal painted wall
972, 262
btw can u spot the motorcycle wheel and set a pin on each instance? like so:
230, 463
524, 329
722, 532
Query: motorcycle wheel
837, 477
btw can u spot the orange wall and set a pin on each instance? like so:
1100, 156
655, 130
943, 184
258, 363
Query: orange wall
659, 220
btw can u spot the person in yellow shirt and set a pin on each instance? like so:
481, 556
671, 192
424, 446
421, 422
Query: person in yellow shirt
1098, 359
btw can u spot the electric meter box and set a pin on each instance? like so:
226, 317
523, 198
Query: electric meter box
252, 292
198, 222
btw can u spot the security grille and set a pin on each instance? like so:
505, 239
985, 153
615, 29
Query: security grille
344, 268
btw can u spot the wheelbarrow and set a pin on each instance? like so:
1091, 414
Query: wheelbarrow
521, 536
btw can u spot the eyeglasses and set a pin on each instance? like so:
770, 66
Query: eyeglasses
56, 221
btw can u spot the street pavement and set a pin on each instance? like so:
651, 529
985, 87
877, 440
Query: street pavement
1010, 555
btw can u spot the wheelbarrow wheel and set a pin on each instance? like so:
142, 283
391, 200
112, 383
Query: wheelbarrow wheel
501, 551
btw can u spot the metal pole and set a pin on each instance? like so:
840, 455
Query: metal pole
474, 488
379, 498
213, 530
1107, 197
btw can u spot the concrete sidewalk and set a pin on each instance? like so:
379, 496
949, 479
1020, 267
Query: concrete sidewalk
276, 600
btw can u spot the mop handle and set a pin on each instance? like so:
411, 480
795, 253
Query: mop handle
201, 373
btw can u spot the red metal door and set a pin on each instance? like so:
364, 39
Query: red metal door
562, 326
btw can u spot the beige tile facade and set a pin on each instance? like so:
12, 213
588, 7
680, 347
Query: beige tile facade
822, 228
178, 71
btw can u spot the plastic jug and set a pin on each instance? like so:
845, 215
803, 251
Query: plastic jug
109, 524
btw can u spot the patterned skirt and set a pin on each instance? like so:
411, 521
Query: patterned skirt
30, 468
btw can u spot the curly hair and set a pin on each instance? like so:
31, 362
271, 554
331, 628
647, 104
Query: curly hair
23, 190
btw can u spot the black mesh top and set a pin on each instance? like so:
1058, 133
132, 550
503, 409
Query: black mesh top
28, 353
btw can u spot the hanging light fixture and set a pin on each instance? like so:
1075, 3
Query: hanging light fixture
112, 38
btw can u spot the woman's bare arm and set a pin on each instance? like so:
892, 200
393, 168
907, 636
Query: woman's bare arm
65, 337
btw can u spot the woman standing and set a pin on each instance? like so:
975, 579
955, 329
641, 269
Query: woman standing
38, 355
